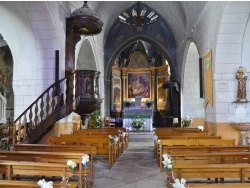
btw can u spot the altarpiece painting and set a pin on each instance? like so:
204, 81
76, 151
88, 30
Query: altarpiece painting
138, 84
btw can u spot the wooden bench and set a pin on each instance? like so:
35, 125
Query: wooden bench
165, 143
241, 171
30, 184
211, 158
169, 135
90, 150
175, 133
205, 149
13, 168
215, 185
124, 138
176, 129
104, 146
49, 157
156, 145
101, 136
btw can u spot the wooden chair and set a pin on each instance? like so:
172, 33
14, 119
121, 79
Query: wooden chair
77, 123
108, 123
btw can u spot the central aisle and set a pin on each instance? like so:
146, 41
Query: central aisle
135, 168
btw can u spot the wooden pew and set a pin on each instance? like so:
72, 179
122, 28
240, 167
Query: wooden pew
156, 145
122, 133
241, 171
90, 150
205, 149
29, 184
104, 146
211, 158
121, 142
32, 169
179, 135
215, 185
176, 129
101, 130
165, 143
164, 134
49, 157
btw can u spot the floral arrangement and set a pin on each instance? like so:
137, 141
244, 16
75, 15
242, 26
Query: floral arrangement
148, 103
138, 123
186, 122
168, 162
85, 160
71, 165
127, 103
179, 184
98, 122
113, 138
124, 134
43, 184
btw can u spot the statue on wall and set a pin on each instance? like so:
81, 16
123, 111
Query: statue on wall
241, 76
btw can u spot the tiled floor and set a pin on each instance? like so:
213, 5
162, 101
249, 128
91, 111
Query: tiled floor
135, 168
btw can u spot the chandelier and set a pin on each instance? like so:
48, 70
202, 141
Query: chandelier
139, 18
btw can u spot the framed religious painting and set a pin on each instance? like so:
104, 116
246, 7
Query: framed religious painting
138, 84
161, 93
208, 78
117, 93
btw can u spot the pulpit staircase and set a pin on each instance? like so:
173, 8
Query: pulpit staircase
55, 103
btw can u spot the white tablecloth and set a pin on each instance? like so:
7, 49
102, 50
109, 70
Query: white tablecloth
127, 123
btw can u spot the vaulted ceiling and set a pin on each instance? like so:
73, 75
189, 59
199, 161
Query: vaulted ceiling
181, 16
178, 22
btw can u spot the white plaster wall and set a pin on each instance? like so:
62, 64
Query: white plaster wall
16, 30
192, 104
206, 28
31, 35
232, 51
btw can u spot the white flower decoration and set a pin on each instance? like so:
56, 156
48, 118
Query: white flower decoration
43, 184
71, 164
116, 139
159, 141
179, 184
85, 159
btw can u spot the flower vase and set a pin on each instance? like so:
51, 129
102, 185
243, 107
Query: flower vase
170, 178
137, 129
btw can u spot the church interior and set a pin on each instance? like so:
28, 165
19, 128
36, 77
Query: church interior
112, 76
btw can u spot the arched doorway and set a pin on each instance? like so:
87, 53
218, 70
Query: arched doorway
191, 100
6, 82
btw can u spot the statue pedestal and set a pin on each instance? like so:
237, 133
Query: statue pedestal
243, 128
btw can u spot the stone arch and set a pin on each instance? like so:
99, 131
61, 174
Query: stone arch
6, 82
86, 58
162, 49
192, 104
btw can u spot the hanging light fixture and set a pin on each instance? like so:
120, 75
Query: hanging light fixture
139, 17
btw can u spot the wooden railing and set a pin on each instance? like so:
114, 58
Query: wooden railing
59, 100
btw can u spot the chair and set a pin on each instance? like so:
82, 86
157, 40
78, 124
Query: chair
108, 123
77, 123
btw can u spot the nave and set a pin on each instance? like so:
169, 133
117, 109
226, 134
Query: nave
135, 168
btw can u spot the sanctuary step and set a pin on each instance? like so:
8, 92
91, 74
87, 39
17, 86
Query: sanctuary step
141, 136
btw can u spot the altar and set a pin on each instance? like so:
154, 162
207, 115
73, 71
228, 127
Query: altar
138, 113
